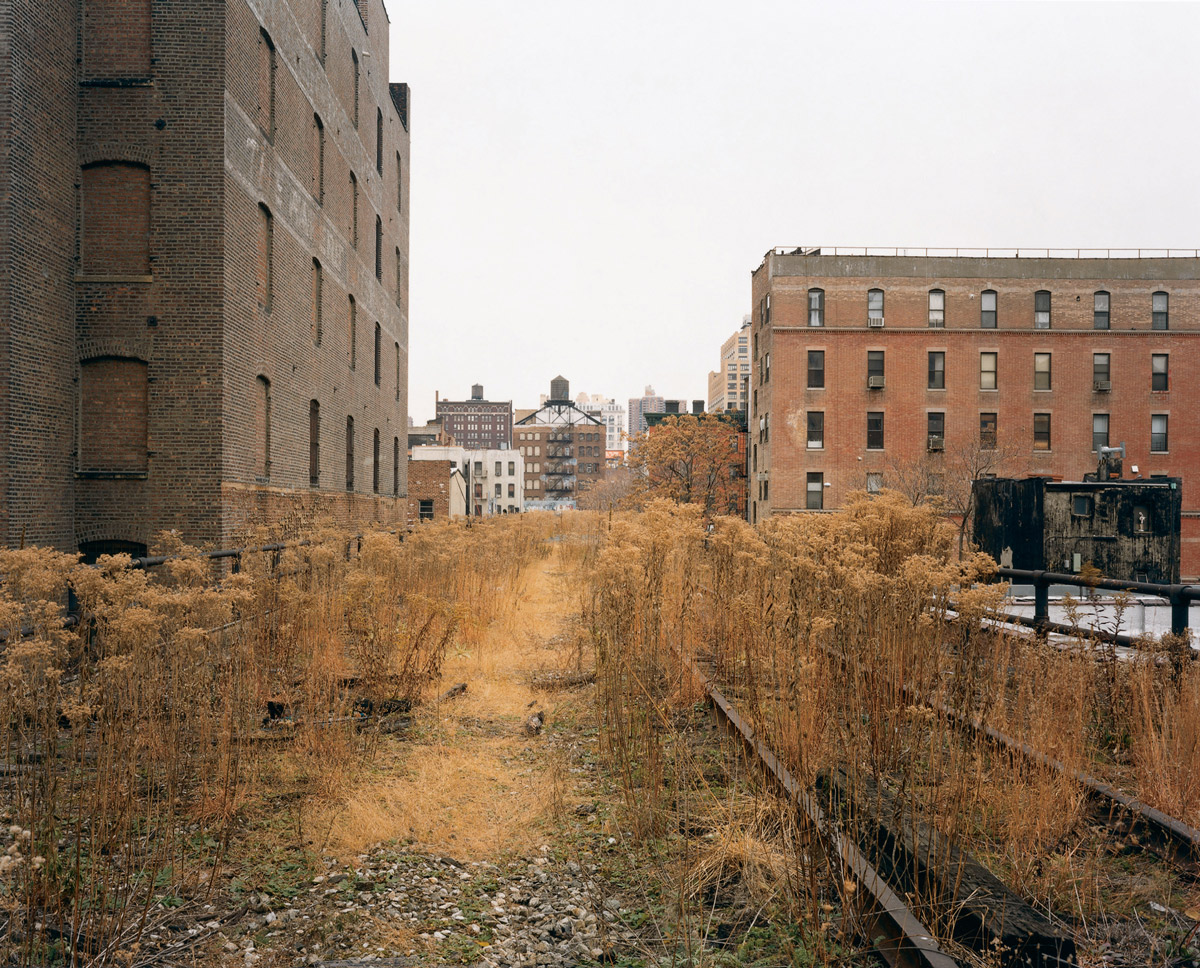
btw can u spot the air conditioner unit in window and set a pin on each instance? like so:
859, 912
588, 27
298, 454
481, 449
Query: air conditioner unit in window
937, 324
875, 321
937, 443
1102, 386
874, 383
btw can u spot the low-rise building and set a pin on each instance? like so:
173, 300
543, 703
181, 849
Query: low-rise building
437, 491
494, 478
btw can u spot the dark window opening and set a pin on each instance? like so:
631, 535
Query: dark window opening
314, 444
815, 491
1160, 315
874, 430
1041, 431
1081, 505
816, 429
937, 371
1100, 310
1159, 374
1041, 309
375, 462
987, 431
349, 453
378, 354
426, 509
816, 370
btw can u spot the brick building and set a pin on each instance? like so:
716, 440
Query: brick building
564, 450
437, 491
477, 424
204, 259
865, 366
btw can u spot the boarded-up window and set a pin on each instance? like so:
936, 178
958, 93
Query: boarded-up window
349, 453
378, 353
262, 428
314, 444
116, 38
116, 219
375, 462
352, 333
318, 160
395, 466
113, 406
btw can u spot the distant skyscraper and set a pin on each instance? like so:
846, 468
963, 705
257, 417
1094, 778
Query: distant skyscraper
727, 386
610, 413
649, 402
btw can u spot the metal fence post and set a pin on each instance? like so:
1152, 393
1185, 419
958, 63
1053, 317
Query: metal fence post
1180, 602
1041, 598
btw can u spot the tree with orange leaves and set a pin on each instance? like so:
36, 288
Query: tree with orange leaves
690, 459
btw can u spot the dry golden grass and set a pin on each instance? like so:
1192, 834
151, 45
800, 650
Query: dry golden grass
473, 784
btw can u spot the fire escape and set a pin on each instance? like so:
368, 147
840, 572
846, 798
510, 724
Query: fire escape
560, 466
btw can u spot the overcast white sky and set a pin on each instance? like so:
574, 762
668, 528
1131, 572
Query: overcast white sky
592, 184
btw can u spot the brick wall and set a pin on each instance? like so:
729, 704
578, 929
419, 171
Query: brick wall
428, 480
906, 400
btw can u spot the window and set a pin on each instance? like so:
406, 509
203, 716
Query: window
875, 369
266, 85
987, 309
1100, 317
318, 183
353, 210
1099, 431
399, 277
324, 27
936, 427
499, 464
1159, 316
767, 368
512, 468
314, 444
987, 371
815, 491
1159, 376
1141, 523
479, 467
874, 304
937, 308
816, 307
512, 490
1041, 371
115, 199
379, 248
874, 430
357, 83
399, 184
425, 509
379, 140
987, 431
1081, 505
498, 491
816, 429
1158, 433
266, 244
262, 427
113, 416
1041, 309
317, 286
349, 453
378, 354
937, 371
1041, 431
375, 461
1101, 373
397, 347
874, 482
816, 369
352, 333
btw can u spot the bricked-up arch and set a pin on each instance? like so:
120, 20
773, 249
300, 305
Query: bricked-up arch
357, 83
352, 333
115, 219
314, 443
116, 39
318, 162
318, 288
113, 407
266, 84
349, 453
262, 428
92, 550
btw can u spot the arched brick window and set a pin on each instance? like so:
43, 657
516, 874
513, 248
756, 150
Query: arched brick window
113, 407
262, 428
399, 280
375, 462
318, 160
116, 219
379, 248
354, 210
116, 38
395, 467
266, 84
352, 333
92, 550
266, 246
314, 443
397, 346
378, 354
357, 81
318, 287
349, 453
379, 141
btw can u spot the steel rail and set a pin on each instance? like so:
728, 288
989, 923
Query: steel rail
889, 926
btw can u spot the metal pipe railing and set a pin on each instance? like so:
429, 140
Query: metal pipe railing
1180, 597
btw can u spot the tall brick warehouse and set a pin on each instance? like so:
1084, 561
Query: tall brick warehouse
203, 268
865, 365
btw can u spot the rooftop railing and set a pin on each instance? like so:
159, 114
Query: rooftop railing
954, 253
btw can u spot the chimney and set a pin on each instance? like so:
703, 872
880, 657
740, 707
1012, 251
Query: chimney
697, 407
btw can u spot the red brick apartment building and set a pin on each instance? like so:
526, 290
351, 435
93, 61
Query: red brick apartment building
864, 363
203, 267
